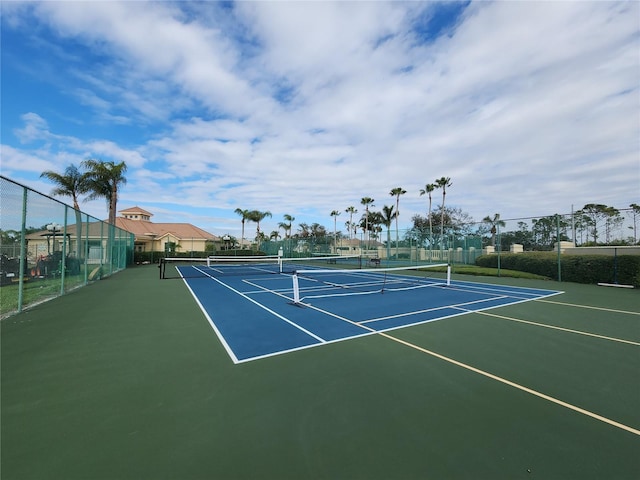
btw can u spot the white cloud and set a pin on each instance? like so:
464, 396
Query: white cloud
35, 128
15, 160
309, 106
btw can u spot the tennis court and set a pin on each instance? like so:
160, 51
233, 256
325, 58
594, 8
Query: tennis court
267, 312
516, 379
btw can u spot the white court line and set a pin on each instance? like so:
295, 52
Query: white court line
262, 289
276, 314
499, 287
381, 287
444, 307
226, 346
504, 291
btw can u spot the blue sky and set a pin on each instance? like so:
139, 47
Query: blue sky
302, 108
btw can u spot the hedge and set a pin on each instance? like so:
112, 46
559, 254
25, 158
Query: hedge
154, 257
574, 268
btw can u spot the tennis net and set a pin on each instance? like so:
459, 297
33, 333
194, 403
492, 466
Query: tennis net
330, 262
322, 283
216, 266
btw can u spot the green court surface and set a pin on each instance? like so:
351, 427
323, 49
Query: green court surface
126, 379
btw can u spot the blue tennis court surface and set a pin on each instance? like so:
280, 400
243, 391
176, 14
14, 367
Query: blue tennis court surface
255, 316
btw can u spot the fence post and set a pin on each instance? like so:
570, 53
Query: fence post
86, 251
499, 245
558, 247
63, 262
23, 249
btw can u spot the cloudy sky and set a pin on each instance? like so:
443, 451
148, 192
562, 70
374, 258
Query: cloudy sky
302, 108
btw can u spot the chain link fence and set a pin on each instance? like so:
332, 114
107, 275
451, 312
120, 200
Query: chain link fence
556, 238
48, 248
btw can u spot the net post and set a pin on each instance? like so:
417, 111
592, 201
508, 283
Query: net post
448, 274
296, 288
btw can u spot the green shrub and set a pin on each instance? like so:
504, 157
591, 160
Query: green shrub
239, 253
625, 269
154, 257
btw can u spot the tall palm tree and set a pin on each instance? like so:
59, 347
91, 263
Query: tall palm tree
386, 217
334, 214
375, 221
104, 180
245, 216
494, 222
367, 202
397, 192
70, 184
635, 211
443, 183
428, 188
287, 226
351, 210
349, 226
257, 216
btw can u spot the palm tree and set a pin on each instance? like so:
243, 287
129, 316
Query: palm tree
245, 216
375, 221
275, 235
386, 217
367, 201
304, 230
443, 182
317, 230
103, 180
351, 210
257, 216
284, 226
397, 192
334, 214
428, 188
287, 226
349, 226
635, 211
494, 222
71, 184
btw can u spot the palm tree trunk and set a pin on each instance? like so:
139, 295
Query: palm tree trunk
397, 235
430, 223
444, 193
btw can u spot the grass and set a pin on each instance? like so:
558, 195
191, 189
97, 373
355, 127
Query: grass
35, 291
